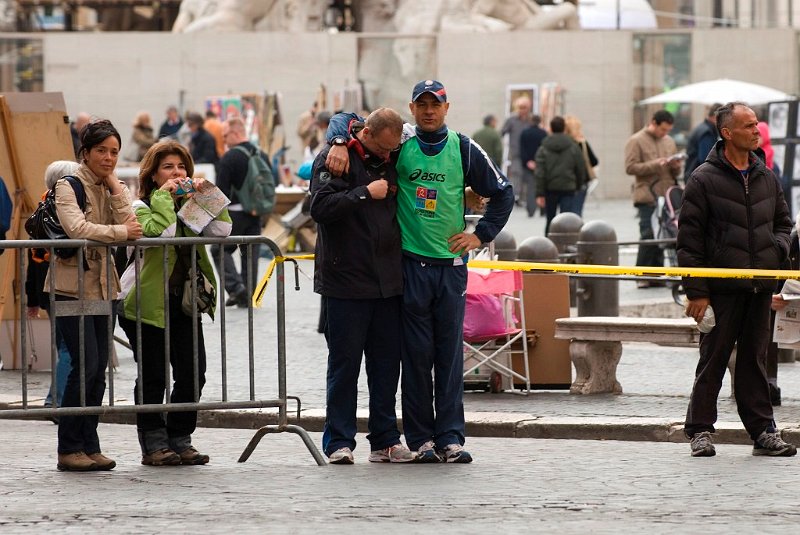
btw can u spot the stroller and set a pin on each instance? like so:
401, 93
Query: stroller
665, 226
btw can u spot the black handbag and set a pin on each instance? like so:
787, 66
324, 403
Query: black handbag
43, 224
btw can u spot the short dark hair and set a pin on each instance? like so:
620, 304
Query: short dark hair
557, 125
725, 113
194, 118
536, 119
663, 116
712, 111
95, 133
324, 118
487, 121
210, 114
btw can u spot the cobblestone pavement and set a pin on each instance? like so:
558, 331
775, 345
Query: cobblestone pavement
542, 485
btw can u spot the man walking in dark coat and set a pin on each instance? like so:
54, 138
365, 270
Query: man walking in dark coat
529, 142
560, 172
701, 141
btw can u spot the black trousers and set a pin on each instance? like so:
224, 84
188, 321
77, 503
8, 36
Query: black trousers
181, 351
744, 319
79, 433
648, 255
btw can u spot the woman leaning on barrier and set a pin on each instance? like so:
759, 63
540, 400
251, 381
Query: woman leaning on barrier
106, 217
162, 184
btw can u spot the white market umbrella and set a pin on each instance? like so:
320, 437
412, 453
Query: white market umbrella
721, 91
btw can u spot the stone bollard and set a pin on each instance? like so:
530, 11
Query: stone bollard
537, 249
597, 244
505, 246
564, 230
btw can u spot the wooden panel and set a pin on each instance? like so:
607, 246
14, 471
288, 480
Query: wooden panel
34, 131
546, 299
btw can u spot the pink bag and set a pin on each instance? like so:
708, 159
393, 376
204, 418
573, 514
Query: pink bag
483, 317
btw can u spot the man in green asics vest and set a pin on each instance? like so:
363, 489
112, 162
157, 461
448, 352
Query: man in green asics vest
434, 165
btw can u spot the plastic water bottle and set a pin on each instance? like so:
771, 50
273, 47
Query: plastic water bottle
708, 322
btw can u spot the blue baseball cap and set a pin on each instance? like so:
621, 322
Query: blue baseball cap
433, 87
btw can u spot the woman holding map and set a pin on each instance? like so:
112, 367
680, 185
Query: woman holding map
165, 197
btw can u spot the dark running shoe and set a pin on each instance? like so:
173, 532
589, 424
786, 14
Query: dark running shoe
455, 453
427, 453
771, 444
702, 445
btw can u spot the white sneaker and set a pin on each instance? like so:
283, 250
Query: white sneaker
393, 454
341, 456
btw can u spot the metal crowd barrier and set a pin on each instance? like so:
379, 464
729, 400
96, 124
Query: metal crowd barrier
83, 307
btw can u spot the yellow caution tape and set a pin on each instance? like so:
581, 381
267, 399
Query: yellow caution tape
585, 269
261, 287
644, 271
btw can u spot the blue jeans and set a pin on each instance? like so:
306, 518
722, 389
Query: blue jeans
433, 354
63, 367
370, 327
79, 433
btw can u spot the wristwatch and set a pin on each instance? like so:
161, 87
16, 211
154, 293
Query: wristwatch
338, 141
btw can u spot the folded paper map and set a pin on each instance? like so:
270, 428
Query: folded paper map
203, 207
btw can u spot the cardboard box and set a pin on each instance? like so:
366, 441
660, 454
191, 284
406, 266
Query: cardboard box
546, 298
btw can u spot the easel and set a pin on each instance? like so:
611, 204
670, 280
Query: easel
34, 131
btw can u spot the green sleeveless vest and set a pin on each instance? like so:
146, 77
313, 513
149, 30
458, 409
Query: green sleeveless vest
430, 198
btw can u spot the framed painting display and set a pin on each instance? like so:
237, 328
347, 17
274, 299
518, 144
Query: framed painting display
778, 120
780, 157
515, 91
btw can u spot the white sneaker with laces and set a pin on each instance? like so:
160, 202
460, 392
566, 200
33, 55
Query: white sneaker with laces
341, 456
393, 454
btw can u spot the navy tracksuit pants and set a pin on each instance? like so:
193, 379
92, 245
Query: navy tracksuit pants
370, 327
433, 355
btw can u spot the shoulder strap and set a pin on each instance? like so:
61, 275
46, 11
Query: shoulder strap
244, 150
77, 187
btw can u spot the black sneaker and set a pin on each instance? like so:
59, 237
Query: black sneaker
702, 445
772, 444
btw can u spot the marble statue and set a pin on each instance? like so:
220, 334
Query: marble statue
402, 16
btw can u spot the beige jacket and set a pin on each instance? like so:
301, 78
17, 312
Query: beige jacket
103, 221
642, 153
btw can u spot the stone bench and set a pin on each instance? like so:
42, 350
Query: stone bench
596, 345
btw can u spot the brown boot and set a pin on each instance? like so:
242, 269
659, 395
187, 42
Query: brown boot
192, 456
102, 462
75, 462
163, 457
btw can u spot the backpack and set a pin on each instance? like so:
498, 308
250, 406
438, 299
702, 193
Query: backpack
6, 207
43, 224
257, 194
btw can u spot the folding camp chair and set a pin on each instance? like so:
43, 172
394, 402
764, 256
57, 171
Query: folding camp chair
494, 326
